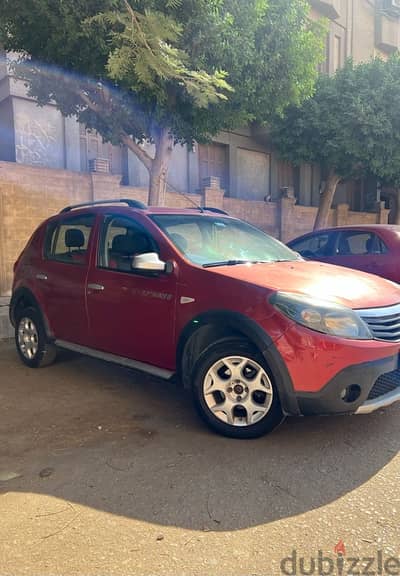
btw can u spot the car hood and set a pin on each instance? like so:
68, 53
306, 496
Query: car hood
351, 288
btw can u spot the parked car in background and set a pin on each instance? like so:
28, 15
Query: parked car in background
372, 248
253, 330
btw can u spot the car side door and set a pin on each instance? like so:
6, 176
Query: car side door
383, 259
61, 276
356, 249
131, 311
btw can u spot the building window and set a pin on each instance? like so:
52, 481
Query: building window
337, 52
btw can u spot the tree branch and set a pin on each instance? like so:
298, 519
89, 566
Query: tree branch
136, 22
129, 142
143, 156
89, 103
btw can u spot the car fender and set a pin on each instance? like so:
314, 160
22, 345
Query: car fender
240, 323
27, 294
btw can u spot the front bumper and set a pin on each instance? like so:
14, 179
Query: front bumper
318, 369
380, 402
375, 385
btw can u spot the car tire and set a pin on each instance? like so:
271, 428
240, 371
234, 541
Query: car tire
31, 340
233, 390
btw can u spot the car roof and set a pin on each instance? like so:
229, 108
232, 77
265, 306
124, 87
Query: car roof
117, 208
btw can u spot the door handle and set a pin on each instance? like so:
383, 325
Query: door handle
41, 276
98, 287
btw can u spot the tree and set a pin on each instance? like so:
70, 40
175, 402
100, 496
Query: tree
163, 71
350, 127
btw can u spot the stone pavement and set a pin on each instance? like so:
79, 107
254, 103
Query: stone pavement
105, 471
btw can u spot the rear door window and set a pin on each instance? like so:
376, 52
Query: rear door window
359, 242
67, 239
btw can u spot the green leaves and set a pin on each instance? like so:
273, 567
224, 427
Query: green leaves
351, 124
193, 66
146, 57
173, 3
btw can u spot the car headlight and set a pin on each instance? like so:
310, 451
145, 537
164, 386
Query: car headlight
322, 316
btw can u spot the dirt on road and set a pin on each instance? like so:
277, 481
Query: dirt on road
107, 471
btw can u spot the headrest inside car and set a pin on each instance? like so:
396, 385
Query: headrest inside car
128, 245
74, 238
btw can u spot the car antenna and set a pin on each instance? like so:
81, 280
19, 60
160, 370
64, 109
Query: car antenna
185, 196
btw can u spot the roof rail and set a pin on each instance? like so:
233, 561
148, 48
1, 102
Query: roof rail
216, 210
131, 203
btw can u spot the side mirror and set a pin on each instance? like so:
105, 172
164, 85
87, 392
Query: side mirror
149, 262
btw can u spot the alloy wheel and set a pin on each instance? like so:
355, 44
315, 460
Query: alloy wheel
238, 391
28, 338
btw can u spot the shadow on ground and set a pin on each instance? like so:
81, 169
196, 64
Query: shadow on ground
127, 444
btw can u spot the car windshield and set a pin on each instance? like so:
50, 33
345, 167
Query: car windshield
217, 241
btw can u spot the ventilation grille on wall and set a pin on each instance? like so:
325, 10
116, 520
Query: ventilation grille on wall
99, 165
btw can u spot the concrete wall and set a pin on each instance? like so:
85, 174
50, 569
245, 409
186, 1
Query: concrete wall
41, 136
251, 167
178, 176
28, 195
7, 134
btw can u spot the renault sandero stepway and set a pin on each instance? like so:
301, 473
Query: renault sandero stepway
251, 328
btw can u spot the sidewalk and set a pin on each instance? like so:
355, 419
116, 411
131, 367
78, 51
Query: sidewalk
6, 330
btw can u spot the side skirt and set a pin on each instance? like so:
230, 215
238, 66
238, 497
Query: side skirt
149, 368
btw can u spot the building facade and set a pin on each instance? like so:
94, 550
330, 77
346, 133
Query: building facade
243, 160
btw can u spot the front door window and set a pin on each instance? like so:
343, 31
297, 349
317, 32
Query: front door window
122, 239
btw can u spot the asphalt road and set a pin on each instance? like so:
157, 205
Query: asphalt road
116, 475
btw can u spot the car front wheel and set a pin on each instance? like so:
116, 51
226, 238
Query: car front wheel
233, 391
31, 341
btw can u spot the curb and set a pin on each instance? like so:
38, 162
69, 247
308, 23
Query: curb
6, 330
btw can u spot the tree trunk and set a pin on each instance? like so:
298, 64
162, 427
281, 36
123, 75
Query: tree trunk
326, 199
159, 169
157, 166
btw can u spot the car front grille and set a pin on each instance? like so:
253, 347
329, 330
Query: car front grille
384, 323
385, 383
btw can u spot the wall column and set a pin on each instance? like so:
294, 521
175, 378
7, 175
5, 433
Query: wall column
286, 214
213, 194
342, 214
382, 214
4, 288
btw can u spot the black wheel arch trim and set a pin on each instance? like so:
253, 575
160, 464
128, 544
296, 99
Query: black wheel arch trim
24, 292
259, 337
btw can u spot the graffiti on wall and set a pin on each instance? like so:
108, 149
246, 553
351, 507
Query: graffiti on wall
38, 138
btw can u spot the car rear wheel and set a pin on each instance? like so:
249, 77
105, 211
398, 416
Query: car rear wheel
233, 391
32, 344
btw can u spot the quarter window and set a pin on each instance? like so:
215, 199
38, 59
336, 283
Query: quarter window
67, 240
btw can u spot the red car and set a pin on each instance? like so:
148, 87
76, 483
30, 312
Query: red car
255, 331
372, 248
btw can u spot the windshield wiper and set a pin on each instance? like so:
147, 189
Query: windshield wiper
286, 260
234, 262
